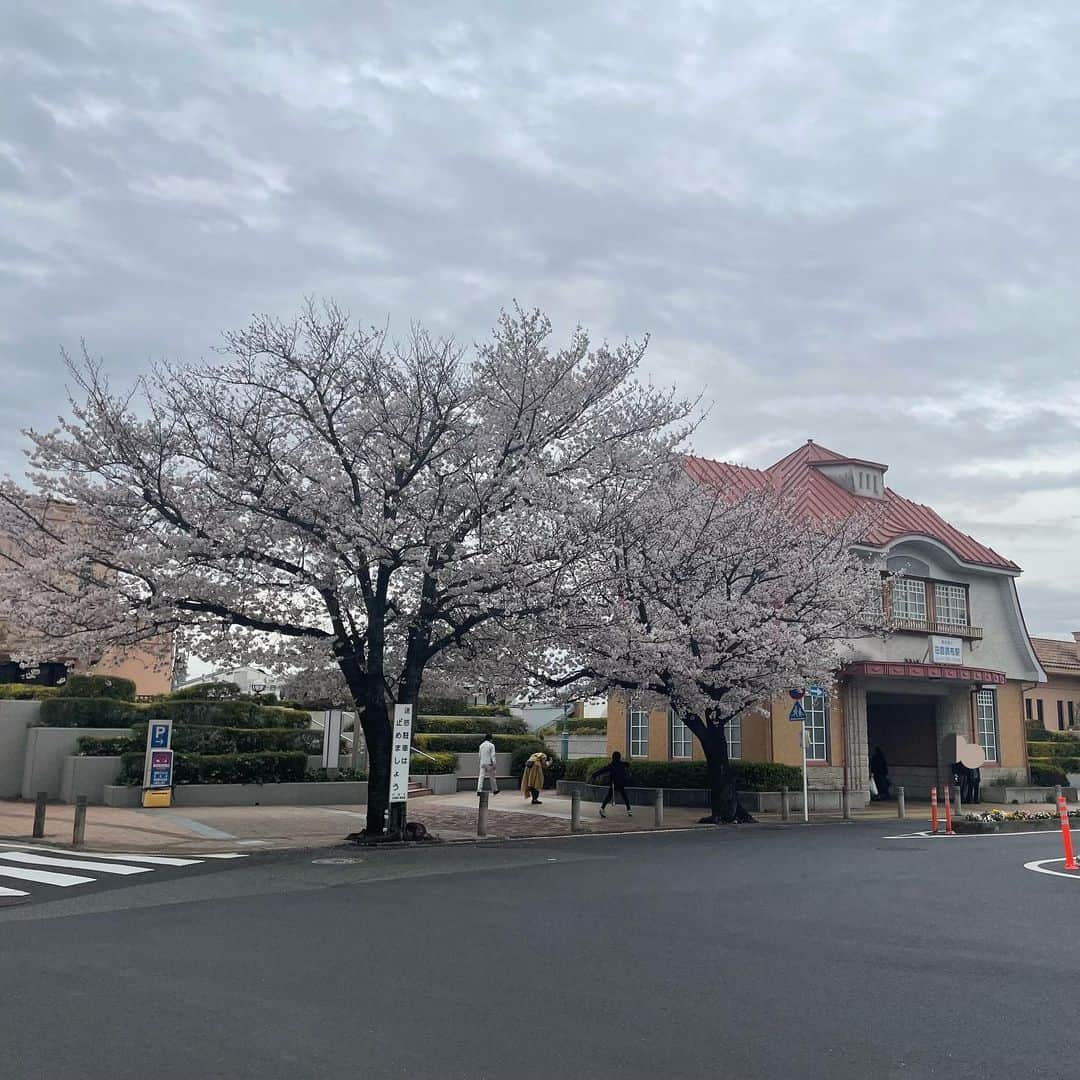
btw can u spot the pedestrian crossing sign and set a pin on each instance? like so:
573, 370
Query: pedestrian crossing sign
797, 712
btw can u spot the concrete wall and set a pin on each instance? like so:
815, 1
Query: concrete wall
578, 746
15, 720
88, 776
440, 783
46, 751
469, 765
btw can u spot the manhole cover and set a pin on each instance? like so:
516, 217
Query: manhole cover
343, 861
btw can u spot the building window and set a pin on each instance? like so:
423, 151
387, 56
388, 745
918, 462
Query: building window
909, 599
816, 728
1072, 714
1027, 707
1061, 715
733, 734
950, 604
682, 738
1039, 710
986, 723
639, 730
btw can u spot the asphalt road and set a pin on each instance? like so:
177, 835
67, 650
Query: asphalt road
755, 952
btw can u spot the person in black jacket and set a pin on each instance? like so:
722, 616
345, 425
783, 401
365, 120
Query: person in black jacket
617, 774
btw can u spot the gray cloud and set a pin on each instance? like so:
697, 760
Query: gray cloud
844, 220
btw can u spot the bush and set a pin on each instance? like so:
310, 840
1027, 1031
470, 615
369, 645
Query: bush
342, 774
469, 744
229, 713
453, 706
272, 767
749, 775
440, 763
200, 739
109, 745
207, 691
1037, 733
465, 725
88, 712
18, 691
553, 773
576, 727
1046, 774
98, 686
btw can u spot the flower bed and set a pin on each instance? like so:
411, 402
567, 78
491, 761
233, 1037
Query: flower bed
992, 821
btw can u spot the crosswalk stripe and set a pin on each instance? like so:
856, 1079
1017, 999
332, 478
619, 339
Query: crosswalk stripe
12, 892
157, 860
44, 877
224, 855
72, 864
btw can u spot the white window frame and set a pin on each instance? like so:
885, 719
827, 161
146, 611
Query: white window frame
733, 734
680, 737
986, 724
638, 730
954, 610
816, 727
908, 595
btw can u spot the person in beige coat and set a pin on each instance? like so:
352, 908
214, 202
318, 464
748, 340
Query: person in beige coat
532, 779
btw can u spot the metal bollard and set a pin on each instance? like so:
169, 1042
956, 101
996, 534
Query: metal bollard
575, 811
481, 814
79, 832
956, 801
845, 803
785, 804
39, 814
901, 806
1057, 793
658, 808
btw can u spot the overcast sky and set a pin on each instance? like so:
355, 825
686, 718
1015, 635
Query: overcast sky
848, 220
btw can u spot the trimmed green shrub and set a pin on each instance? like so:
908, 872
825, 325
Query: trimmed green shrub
439, 763
342, 774
576, 727
469, 744
88, 712
1047, 773
207, 691
18, 691
98, 686
271, 767
109, 745
553, 773
226, 713
1037, 733
749, 775
467, 725
452, 706
208, 739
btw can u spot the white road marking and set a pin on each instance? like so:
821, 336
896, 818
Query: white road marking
224, 855
157, 860
12, 892
72, 864
1039, 866
44, 877
967, 836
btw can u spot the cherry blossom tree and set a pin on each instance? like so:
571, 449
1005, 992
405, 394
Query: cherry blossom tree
323, 495
714, 600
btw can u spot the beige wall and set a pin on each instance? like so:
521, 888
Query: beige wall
1058, 687
150, 666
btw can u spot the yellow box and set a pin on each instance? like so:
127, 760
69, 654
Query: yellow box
160, 797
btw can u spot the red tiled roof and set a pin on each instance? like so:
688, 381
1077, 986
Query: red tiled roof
1057, 654
820, 498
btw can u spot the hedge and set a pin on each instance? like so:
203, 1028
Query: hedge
451, 706
271, 767
110, 745
749, 775
18, 691
1037, 733
207, 691
469, 744
98, 686
88, 712
1048, 773
1044, 749
208, 739
237, 714
576, 727
465, 725
439, 763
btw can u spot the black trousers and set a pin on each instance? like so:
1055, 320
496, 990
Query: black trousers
615, 789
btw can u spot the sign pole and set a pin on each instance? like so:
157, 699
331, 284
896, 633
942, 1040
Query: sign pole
400, 749
805, 795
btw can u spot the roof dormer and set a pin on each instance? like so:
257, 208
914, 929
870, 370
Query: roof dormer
864, 478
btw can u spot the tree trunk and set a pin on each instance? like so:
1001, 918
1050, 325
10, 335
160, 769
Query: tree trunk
375, 720
724, 804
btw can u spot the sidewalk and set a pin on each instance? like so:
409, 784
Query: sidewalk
451, 817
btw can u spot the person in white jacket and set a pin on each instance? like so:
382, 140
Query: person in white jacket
487, 766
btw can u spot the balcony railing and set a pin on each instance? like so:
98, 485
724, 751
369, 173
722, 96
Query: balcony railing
924, 626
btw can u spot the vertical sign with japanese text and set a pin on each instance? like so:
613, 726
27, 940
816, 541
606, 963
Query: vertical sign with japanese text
399, 753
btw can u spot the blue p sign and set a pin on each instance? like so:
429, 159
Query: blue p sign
159, 736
